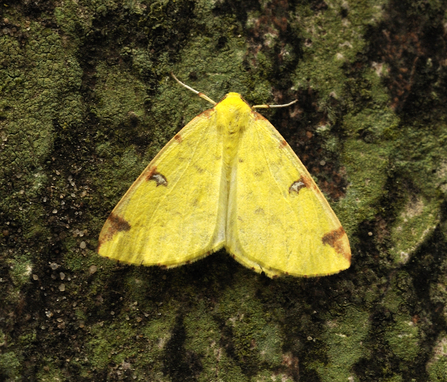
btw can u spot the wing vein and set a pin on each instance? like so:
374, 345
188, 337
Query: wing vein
171, 189
268, 165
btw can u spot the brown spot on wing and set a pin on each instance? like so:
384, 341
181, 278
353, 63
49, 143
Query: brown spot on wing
206, 113
118, 223
282, 144
296, 186
178, 138
334, 239
307, 181
259, 116
151, 172
160, 179
302, 182
258, 172
113, 224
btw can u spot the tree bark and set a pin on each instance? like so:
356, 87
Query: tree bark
87, 101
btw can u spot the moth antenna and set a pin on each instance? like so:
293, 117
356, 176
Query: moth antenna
269, 106
201, 95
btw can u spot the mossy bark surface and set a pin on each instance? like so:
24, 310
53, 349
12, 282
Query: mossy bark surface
86, 101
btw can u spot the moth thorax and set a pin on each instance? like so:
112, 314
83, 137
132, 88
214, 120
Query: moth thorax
233, 114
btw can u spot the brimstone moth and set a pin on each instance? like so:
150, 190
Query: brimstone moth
228, 180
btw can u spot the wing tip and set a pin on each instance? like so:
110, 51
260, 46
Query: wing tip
112, 226
338, 239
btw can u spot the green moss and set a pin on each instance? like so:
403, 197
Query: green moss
120, 96
344, 338
373, 123
203, 337
438, 290
255, 338
2, 338
403, 337
437, 370
50, 373
87, 103
418, 218
366, 165
32, 107
10, 366
126, 340
28, 338
126, 167
393, 301
111, 344
20, 269
395, 378
331, 43
266, 376
72, 16
437, 365
215, 77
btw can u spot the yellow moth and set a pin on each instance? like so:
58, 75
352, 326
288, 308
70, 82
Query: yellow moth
228, 180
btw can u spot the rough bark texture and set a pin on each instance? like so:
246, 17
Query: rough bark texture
86, 101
